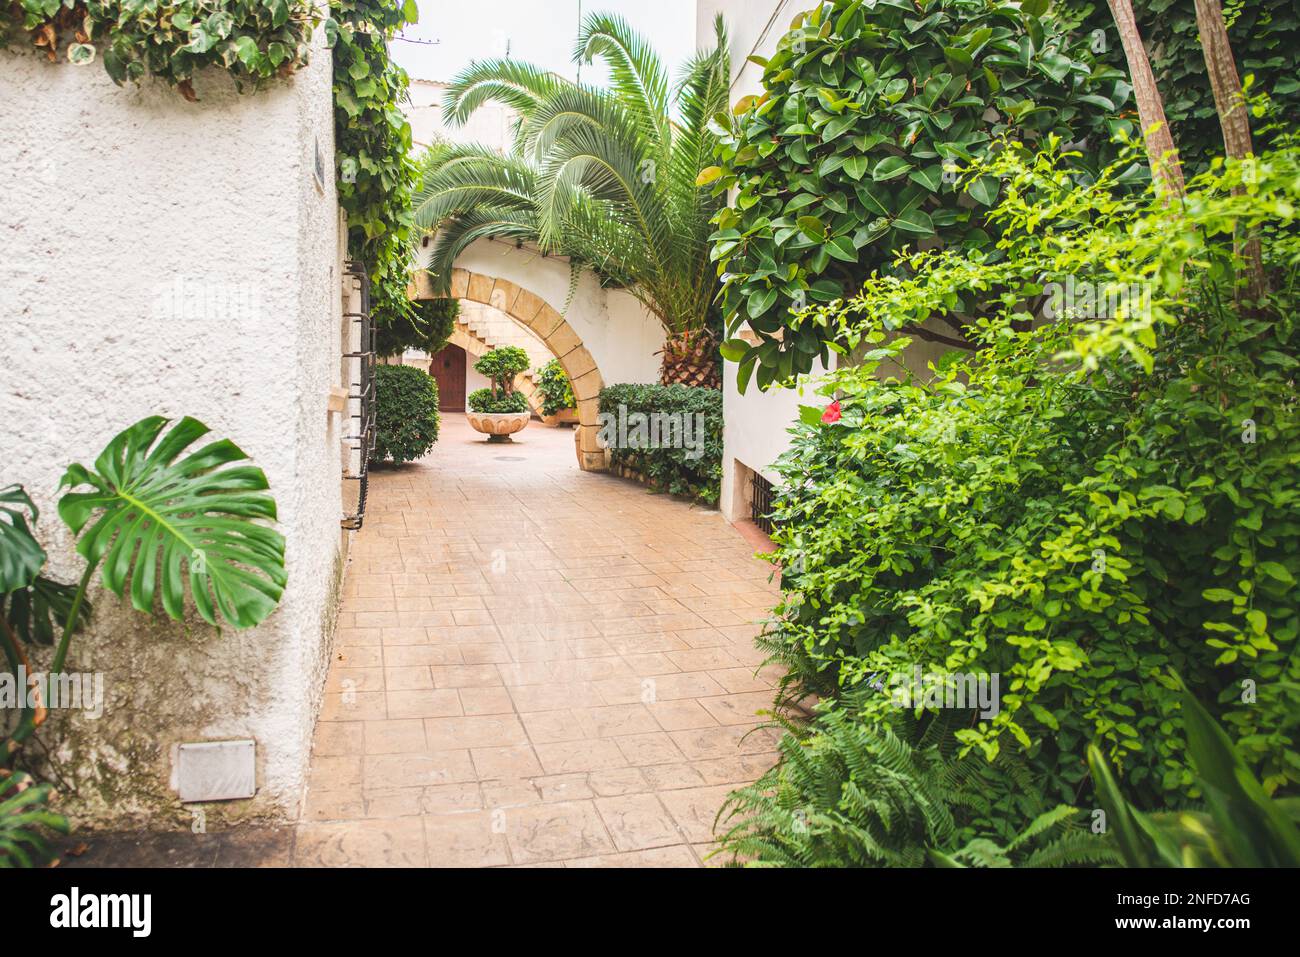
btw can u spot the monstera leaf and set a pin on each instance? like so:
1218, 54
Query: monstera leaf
39, 612
21, 557
26, 822
158, 516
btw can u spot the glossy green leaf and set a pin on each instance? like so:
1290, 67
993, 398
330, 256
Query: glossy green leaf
158, 514
21, 556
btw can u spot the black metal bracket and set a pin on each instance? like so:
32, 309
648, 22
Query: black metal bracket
361, 394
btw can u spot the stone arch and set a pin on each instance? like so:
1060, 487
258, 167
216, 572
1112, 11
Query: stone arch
531, 310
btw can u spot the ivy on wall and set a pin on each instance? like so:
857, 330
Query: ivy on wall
256, 41
252, 40
372, 142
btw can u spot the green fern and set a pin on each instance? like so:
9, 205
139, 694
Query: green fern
849, 793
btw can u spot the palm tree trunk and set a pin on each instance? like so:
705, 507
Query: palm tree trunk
691, 358
1165, 167
1234, 121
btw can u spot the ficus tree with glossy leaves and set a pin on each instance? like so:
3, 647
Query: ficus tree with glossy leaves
853, 150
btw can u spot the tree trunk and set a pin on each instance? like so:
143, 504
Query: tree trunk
1234, 120
691, 358
1165, 167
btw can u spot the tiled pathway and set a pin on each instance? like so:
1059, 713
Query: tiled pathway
535, 665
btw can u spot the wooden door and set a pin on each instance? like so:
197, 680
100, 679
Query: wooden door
448, 367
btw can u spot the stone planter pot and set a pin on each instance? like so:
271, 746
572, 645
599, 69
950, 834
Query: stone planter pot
498, 426
563, 417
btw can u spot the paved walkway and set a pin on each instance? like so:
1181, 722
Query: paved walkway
535, 666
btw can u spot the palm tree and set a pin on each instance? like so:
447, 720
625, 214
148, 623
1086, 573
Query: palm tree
604, 177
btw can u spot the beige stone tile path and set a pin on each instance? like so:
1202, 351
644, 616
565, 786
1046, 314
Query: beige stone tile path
535, 666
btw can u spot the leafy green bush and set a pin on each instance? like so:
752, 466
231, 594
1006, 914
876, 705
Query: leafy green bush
427, 328
483, 401
1083, 502
1244, 827
691, 466
854, 793
406, 413
553, 384
841, 162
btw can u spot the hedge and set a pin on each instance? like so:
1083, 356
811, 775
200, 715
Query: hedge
692, 468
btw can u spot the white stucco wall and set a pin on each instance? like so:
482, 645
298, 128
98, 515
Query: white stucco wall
756, 423
109, 195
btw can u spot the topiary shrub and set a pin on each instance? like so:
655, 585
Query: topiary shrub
669, 434
553, 385
484, 402
501, 365
849, 154
406, 416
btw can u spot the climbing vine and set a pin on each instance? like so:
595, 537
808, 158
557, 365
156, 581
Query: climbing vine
372, 143
254, 41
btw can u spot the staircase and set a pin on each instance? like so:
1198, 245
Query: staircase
494, 328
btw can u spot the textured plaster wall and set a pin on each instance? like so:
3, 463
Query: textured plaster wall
109, 193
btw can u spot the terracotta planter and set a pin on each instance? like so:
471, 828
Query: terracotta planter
563, 417
498, 426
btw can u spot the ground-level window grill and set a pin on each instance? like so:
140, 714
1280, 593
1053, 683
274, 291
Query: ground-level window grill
359, 372
761, 502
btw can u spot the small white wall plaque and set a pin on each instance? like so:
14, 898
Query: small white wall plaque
216, 771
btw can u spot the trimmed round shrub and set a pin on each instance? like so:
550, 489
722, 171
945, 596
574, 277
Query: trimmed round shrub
406, 413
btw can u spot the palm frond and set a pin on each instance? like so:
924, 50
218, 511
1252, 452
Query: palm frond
636, 73
518, 85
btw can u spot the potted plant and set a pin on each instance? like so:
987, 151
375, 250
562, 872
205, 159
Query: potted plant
558, 404
499, 411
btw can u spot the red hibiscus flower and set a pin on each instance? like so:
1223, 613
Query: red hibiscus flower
832, 413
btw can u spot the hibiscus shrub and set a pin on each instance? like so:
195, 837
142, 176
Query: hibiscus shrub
1082, 504
669, 434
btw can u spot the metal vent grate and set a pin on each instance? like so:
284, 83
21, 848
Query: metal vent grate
761, 502
359, 363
